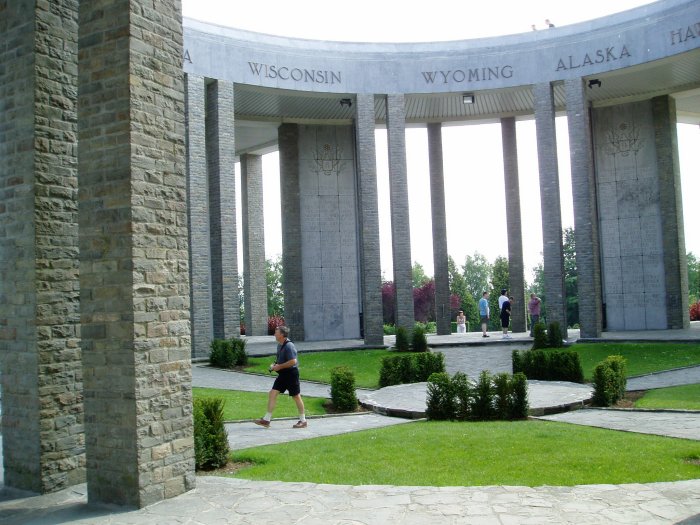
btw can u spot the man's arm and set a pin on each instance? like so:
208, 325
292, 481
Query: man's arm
288, 364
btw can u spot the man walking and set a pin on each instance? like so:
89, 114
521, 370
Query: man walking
286, 366
484, 313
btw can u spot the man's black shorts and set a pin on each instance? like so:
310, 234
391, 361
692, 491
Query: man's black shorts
288, 379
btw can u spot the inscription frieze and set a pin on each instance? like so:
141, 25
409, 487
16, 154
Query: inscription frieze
297, 74
476, 74
609, 54
682, 35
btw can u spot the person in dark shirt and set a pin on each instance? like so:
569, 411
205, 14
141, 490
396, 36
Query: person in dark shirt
505, 317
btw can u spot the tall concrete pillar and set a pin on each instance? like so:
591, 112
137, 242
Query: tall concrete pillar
400, 218
292, 274
443, 314
553, 250
516, 266
254, 275
198, 218
40, 357
671, 203
371, 271
222, 209
590, 304
134, 282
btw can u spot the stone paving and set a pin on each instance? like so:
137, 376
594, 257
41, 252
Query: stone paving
223, 500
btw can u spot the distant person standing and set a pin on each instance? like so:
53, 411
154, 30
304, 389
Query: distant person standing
505, 317
461, 323
484, 313
548, 23
533, 308
502, 298
287, 379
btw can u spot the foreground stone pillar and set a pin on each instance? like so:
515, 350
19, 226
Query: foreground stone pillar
40, 359
675, 262
516, 267
198, 219
590, 307
443, 314
221, 153
254, 278
292, 275
133, 253
553, 250
371, 272
400, 217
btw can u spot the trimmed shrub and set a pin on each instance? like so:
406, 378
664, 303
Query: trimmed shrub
517, 360
609, 381
554, 338
428, 363
441, 399
463, 396
401, 339
210, 437
343, 389
389, 329
410, 368
520, 405
539, 333
549, 365
419, 341
228, 353
502, 395
482, 401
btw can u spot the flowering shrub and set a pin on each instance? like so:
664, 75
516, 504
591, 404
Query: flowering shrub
695, 311
273, 322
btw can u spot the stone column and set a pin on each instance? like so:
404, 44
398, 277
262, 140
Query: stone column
198, 219
254, 274
590, 304
221, 154
553, 250
443, 314
42, 409
516, 267
134, 282
400, 218
371, 271
292, 274
671, 203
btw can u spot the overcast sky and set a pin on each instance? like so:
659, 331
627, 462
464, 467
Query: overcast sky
475, 195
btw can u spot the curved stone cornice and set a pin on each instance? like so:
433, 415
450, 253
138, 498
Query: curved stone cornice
645, 34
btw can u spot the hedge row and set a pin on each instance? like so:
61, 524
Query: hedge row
493, 397
548, 365
228, 353
410, 368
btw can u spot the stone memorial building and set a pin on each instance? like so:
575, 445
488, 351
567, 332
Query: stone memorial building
120, 127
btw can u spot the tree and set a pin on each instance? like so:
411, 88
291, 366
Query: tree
477, 273
693, 279
275, 294
419, 276
570, 276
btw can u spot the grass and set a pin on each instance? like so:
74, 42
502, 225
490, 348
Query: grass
686, 397
642, 358
251, 405
316, 366
530, 453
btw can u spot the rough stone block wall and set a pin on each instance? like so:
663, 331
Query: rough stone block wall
585, 210
553, 251
134, 253
254, 271
221, 150
198, 219
400, 222
292, 276
42, 420
516, 265
371, 272
443, 313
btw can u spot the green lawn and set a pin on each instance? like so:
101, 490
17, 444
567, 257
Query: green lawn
685, 397
316, 366
642, 358
530, 453
252, 405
